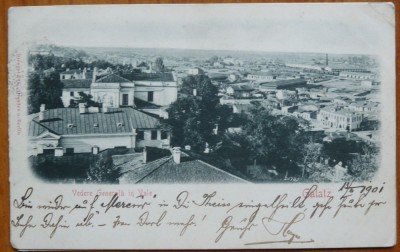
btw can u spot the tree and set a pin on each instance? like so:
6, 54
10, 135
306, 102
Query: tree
102, 170
205, 89
34, 93
364, 165
192, 120
274, 140
87, 99
213, 59
159, 65
52, 90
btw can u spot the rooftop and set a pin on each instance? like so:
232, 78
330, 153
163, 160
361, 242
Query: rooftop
81, 83
68, 121
167, 77
190, 170
112, 78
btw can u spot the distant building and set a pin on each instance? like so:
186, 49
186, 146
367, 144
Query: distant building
75, 74
357, 76
114, 90
261, 76
195, 71
240, 90
86, 130
341, 119
282, 84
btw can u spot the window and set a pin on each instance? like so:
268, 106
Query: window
71, 93
164, 134
154, 135
125, 99
140, 135
150, 96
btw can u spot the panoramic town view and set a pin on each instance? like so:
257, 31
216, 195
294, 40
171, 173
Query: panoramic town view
137, 115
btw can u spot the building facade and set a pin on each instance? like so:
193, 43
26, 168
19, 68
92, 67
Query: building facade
85, 130
340, 119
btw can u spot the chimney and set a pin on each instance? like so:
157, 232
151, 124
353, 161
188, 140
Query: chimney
144, 155
94, 74
82, 108
176, 154
194, 92
41, 113
95, 150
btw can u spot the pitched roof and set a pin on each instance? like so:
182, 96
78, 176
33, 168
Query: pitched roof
57, 120
81, 83
167, 77
112, 78
190, 170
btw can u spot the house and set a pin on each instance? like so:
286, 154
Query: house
261, 76
85, 130
179, 168
240, 90
342, 119
115, 90
69, 74
357, 75
195, 71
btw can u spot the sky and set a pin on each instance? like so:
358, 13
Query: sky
332, 28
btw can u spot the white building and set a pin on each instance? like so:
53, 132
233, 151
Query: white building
261, 76
357, 76
340, 119
86, 130
113, 90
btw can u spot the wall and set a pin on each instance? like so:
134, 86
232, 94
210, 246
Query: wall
85, 143
66, 97
163, 95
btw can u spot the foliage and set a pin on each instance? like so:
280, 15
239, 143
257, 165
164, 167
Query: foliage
365, 164
44, 89
34, 93
205, 89
102, 64
52, 90
83, 98
159, 65
192, 120
213, 59
43, 62
102, 170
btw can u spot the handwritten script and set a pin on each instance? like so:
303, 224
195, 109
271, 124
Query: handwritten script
279, 218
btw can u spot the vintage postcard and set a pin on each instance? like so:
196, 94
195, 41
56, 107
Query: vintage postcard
202, 126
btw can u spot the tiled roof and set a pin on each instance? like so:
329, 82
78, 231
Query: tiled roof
82, 83
112, 78
57, 120
167, 77
190, 170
